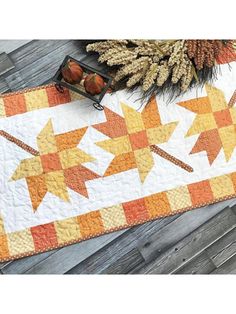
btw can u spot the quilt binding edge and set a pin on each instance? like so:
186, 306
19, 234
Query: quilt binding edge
94, 235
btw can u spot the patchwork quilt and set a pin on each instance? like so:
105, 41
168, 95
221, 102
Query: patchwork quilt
69, 172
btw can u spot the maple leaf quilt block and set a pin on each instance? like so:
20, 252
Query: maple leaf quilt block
58, 166
132, 136
215, 122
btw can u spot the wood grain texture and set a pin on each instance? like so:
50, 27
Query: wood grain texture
107, 258
201, 241
4, 88
11, 45
205, 237
126, 263
223, 249
228, 267
22, 265
182, 251
15, 80
199, 265
72, 255
5, 63
34, 51
174, 232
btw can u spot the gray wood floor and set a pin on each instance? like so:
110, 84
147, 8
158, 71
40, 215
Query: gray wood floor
202, 241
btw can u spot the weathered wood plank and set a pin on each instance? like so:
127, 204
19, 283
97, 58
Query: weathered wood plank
201, 264
37, 75
27, 55
234, 207
22, 265
181, 252
5, 63
126, 263
223, 249
14, 80
3, 264
108, 256
177, 230
11, 45
34, 50
228, 267
4, 88
66, 258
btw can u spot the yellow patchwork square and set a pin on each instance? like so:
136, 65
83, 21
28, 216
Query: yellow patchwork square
179, 198
28, 167
55, 182
67, 230
2, 108
113, 217
222, 186
36, 99
160, 134
72, 157
201, 123
228, 139
133, 119
216, 97
20, 242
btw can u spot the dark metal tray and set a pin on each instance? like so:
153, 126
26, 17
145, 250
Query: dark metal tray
87, 69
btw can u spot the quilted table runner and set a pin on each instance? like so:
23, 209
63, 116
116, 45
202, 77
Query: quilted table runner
69, 172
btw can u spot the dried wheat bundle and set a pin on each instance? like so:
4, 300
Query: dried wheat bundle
161, 65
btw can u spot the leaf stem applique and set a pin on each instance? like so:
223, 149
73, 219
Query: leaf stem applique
19, 143
232, 100
167, 156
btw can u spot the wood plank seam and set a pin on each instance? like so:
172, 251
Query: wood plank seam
218, 270
201, 251
173, 247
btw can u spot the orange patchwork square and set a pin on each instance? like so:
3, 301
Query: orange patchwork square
135, 211
4, 252
14, 104
138, 140
90, 224
233, 177
44, 236
157, 204
200, 192
50, 162
57, 98
223, 118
